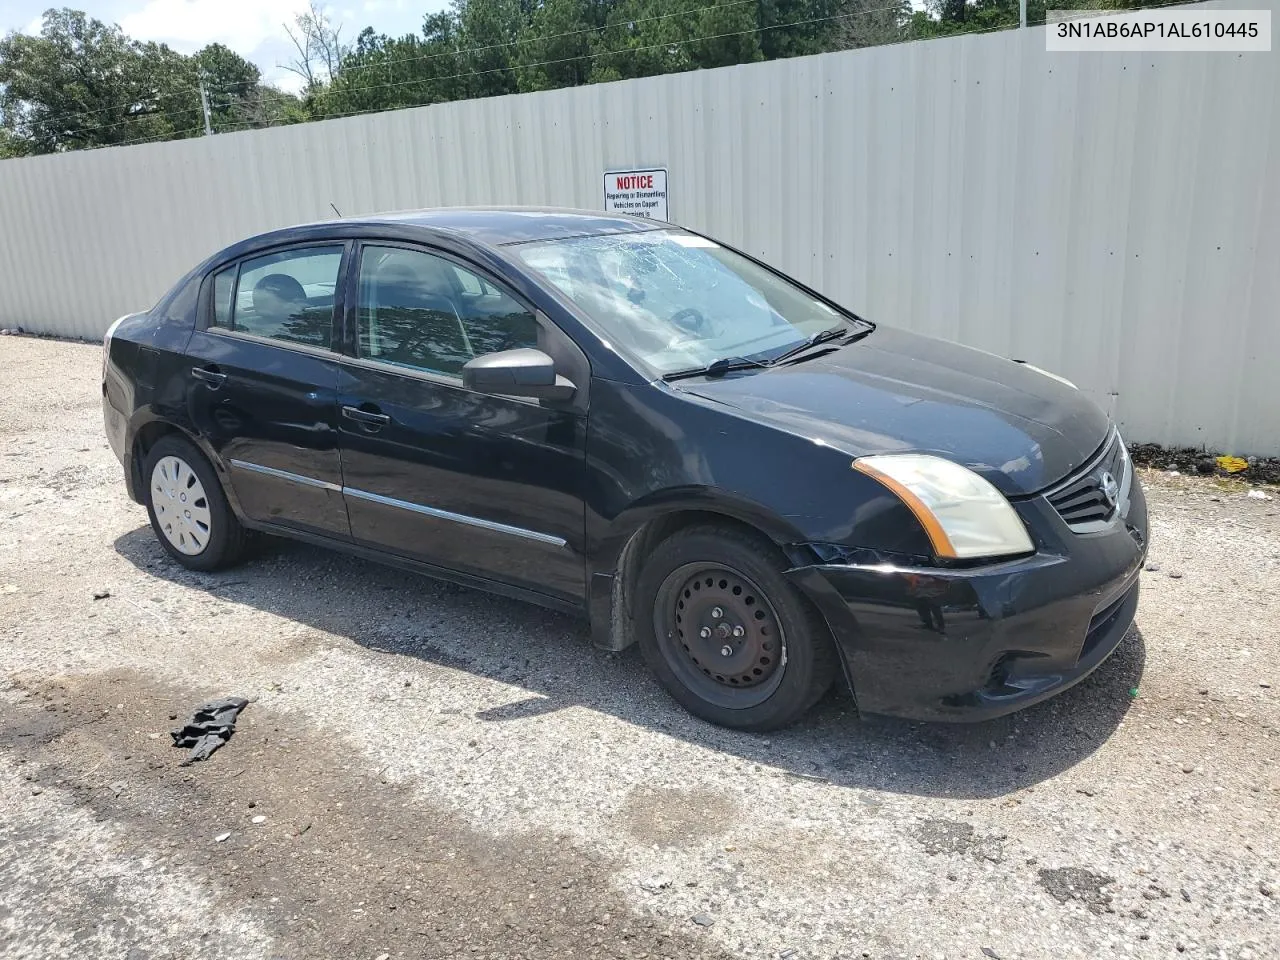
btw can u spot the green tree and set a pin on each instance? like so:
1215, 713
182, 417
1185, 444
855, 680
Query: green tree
731, 34
796, 28
488, 33
556, 48
644, 38
82, 83
628, 45
12, 145
869, 23
384, 73
173, 82
947, 17
944, 18
264, 106
230, 81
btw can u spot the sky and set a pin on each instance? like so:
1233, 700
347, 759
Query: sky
252, 28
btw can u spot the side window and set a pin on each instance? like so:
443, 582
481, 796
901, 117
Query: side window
224, 288
181, 306
423, 311
286, 296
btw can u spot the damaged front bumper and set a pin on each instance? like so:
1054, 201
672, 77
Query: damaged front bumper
970, 643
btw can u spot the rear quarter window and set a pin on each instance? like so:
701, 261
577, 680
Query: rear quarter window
224, 290
179, 307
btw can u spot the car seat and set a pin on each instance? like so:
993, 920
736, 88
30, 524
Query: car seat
277, 298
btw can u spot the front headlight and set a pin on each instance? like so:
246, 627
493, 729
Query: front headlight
963, 514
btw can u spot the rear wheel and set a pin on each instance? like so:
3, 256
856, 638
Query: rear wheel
726, 634
188, 510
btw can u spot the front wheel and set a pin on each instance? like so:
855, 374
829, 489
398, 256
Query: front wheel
726, 634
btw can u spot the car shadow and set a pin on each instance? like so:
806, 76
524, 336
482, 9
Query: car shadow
396, 612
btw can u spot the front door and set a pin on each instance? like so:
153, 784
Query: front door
488, 486
263, 387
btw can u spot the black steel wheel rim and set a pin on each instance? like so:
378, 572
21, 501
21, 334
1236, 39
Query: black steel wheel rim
720, 634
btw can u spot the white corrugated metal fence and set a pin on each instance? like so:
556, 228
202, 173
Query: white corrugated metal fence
1113, 217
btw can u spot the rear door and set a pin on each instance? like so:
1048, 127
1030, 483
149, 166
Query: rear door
486, 485
262, 386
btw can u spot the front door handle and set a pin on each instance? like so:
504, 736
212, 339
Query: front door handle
370, 417
210, 375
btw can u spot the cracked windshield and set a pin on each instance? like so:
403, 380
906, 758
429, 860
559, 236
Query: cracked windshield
677, 301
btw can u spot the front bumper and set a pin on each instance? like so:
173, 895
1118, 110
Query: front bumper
934, 643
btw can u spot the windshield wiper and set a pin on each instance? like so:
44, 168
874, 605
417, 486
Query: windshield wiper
822, 336
724, 365
716, 368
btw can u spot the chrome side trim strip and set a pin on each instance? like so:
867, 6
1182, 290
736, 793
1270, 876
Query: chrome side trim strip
284, 475
455, 517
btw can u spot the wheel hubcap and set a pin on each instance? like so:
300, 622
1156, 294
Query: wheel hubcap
723, 626
180, 505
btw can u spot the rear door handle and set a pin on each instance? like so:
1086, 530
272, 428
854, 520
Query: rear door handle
211, 376
370, 417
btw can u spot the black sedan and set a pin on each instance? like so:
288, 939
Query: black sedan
636, 422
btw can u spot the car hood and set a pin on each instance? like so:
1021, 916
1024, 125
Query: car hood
899, 392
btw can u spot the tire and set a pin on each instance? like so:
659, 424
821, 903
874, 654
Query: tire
188, 510
763, 678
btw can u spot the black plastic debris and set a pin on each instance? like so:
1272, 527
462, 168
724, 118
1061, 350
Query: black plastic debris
211, 727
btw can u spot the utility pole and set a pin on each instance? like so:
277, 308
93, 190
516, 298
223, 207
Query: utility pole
204, 105
1022, 13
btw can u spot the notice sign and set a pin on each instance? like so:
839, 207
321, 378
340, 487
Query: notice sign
640, 193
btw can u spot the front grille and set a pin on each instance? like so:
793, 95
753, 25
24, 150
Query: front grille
1090, 500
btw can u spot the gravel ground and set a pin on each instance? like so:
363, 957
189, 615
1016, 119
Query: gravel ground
443, 773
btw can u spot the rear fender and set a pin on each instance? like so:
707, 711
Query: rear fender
145, 429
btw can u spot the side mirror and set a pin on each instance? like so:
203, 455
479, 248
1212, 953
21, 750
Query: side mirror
517, 373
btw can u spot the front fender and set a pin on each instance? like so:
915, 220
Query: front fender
687, 500
655, 453
621, 545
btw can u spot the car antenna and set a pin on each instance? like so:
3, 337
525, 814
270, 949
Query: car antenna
335, 209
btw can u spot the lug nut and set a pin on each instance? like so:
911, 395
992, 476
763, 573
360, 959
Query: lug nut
705, 633
726, 651
717, 612
738, 631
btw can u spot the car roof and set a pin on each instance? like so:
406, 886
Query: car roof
495, 226
477, 228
